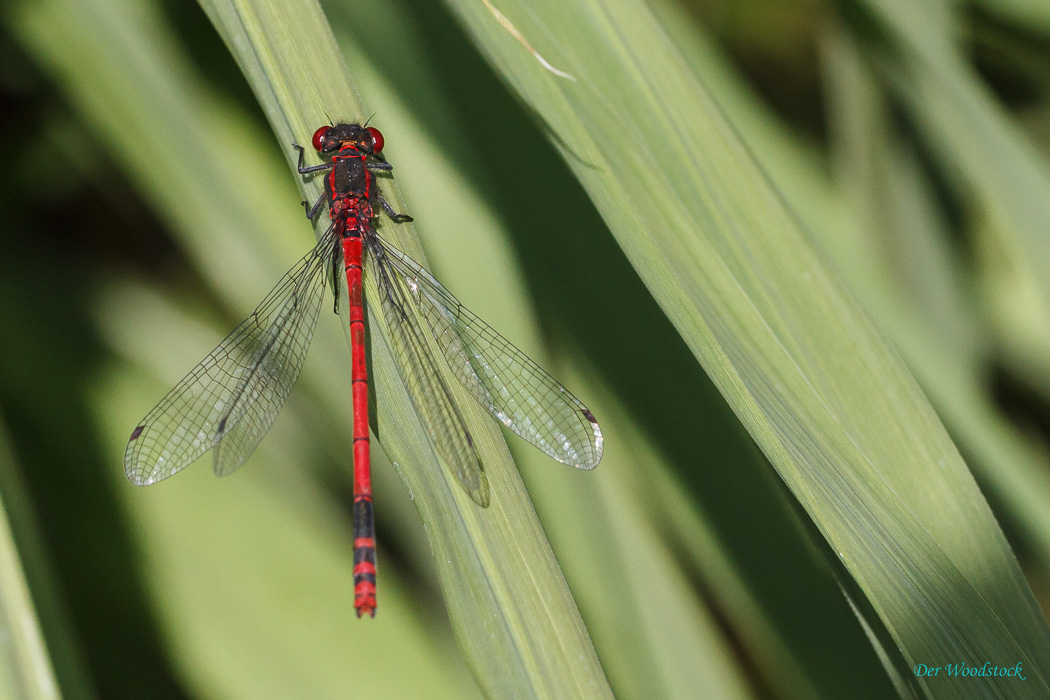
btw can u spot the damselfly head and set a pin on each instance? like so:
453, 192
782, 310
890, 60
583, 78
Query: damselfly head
329, 139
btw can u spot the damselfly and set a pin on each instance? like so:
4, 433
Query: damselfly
230, 400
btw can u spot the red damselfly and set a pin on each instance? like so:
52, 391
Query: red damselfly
230, 400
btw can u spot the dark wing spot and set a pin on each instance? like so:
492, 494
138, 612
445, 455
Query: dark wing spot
470, 440
589, 416
137, 432
222, 425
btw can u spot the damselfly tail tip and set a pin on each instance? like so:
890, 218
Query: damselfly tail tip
365, 587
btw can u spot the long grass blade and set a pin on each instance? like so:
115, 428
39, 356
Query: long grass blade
819, 390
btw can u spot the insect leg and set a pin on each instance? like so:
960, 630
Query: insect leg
311, 168
311, 212
394, 216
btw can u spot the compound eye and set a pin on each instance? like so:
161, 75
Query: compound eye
319, 137
377, 139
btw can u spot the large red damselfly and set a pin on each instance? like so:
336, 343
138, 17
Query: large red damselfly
230, 400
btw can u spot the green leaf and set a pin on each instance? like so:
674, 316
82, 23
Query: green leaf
901, 268
822, 394
26, 668
453, 159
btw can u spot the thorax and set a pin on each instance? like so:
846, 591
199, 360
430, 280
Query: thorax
350, 187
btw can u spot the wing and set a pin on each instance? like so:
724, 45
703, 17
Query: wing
232, 397
429, 392
513, 388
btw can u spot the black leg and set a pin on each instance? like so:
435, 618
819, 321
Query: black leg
394, 216
312, 168
384, 167
311, 212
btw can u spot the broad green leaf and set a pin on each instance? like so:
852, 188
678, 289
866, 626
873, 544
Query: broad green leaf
912, 286
891, 249
824, 397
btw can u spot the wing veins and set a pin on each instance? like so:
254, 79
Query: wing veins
430, 394
528, 400
184, 424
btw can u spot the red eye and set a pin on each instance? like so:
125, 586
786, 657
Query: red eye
319, 137
377, 139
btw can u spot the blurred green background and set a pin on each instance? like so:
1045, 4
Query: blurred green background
126, 255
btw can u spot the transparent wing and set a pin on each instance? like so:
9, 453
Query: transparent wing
232, 397
513, 388
434, 403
